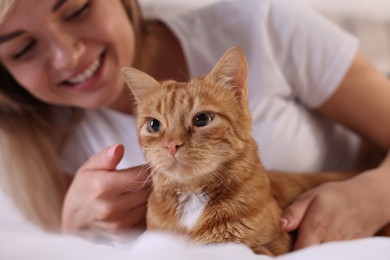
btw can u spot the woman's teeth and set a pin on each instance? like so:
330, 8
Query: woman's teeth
89, 72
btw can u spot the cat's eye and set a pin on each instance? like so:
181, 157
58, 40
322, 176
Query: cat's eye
203, 119
153, 125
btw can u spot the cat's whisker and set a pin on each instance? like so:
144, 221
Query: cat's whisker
182, 72
235, 178
134, 152
200, 165
144, 170
244, 159
221, 181
214, 174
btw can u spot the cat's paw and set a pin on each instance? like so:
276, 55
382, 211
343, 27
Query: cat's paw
262, 250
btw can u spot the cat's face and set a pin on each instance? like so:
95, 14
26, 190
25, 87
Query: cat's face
188, 130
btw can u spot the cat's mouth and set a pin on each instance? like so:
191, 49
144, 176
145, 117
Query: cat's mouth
177, 164
187, 166
172, 163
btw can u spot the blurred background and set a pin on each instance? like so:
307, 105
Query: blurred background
369, 20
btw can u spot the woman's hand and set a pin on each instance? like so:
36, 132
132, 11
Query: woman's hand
104, 202
350, 209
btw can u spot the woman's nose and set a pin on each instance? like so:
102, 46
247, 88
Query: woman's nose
66, 50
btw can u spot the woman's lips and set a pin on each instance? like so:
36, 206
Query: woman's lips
88, 76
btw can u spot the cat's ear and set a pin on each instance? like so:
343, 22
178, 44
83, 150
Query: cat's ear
139, 82
231, 71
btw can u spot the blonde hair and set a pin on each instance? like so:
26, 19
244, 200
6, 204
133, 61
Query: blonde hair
5, 7
29, 159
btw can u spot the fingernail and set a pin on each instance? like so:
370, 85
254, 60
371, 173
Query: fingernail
284, 222
112, 150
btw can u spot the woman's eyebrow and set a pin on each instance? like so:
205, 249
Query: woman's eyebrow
10, 36
58, 5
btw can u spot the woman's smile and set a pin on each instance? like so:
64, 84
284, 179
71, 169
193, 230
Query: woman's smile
87, 77
69, 55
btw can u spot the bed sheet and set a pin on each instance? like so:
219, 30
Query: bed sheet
20, 240
27, 246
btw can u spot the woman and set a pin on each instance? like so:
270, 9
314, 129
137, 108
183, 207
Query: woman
307, 79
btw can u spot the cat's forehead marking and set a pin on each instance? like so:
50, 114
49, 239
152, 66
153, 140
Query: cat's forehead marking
175, 104
178, 98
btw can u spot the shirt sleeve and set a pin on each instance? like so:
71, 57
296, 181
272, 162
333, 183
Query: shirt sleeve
312, 52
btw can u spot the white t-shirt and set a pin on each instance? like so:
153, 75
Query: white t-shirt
296, 60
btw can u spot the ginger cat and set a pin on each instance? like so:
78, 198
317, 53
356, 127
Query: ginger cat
208, 181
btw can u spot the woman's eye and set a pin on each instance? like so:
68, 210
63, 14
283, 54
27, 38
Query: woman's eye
153, 125
203, 119
79, 11
24, 50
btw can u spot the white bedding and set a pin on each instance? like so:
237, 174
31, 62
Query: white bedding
164, 247
20, 240
27, 244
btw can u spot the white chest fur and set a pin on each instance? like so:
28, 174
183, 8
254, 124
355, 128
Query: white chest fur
191, 208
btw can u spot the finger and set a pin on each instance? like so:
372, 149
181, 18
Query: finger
306, 237
125, 235
293, 214
121, 182
141, 226
109, 211
312, 228
106, 159
123, 238
136, 199
125, 224
139, 178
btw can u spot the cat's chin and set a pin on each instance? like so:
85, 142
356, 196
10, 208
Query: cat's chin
185, 174
174, 164
187, 181
178, 169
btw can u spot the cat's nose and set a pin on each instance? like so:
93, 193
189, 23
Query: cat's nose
173, 146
